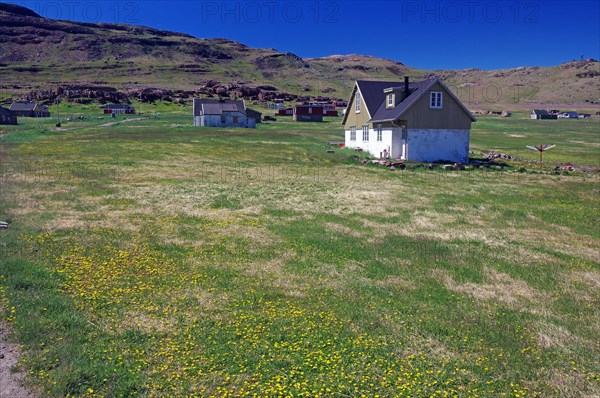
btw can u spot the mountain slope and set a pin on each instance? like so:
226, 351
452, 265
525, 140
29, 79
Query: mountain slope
46, 53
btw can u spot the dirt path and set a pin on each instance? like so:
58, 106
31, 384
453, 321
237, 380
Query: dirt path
120, 121
10, 382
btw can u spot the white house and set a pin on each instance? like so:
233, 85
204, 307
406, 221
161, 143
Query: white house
221, 113
422, 121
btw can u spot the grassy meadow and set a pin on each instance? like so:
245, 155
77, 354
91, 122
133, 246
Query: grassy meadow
151, 258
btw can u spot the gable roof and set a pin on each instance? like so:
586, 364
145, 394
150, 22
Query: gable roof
23, 106
370, 91
207, 106
374, 98
252, 112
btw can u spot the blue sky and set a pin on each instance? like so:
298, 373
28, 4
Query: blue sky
423, 34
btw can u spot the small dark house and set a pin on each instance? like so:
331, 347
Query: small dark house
308, 113
7, 117
285, 112
29, 109
252, 114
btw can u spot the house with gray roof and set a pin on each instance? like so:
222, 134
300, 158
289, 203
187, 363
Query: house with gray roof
542, 114
29, 109
417, 121
221, 113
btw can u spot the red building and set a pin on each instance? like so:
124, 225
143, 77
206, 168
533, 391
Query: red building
285, 112
119, 109
308, 113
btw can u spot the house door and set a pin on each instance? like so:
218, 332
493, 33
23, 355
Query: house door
404, 144
235, 120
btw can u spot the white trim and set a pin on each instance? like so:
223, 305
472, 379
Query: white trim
435, 100
389, 97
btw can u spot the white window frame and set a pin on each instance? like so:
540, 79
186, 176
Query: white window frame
435, 100
379, 133
352, 133
365, 133
310, 110
389, 102
357, 102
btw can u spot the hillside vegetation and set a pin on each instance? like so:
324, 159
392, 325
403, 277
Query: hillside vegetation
38, 53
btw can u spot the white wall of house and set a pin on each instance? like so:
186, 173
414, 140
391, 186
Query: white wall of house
389, 141
228, 119
421, 145
433, 145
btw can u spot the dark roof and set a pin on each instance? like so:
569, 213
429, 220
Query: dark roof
205, 106
117, 106
253, 112
372, 93
4, 111
540, 112
23, 106
374, 98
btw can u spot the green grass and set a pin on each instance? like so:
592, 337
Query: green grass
152, 258
577, 140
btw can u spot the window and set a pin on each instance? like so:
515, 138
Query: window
404, 134
357, 102
365, 133
435, 100
352, 133
379, 133
309, 110
390, 101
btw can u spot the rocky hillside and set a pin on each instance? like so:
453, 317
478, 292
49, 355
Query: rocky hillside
103, 62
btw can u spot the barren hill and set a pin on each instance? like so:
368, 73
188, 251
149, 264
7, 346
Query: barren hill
37, 53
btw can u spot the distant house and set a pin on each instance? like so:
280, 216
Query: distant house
119, 109
277, 105
252, 114
340, 103
568, 115
285, 112
541, 114
221, 113
422, 121
29, 109
308, 113
7, 117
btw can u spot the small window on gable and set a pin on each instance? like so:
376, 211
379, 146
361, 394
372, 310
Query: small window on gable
435, 100
357, 102
390, 101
